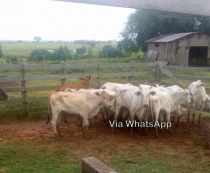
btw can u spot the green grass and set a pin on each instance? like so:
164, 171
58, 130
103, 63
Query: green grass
32, 158
57, 156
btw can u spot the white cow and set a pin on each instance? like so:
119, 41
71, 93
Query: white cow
177, 111
116, 86
135, 99
198, 92
85, 104
167, 101
208, 101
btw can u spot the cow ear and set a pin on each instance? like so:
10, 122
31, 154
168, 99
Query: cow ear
202, 84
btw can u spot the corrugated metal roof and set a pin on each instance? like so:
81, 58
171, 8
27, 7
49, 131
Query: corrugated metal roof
169, 37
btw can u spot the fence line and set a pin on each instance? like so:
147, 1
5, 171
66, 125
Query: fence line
154, 72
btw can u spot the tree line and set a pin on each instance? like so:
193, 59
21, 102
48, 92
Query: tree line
62, 53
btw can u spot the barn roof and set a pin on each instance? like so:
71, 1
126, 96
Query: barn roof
168, 38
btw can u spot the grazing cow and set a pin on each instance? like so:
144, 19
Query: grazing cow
84, 84
135, 99
3, 96
167, 101
85, 104
198, 92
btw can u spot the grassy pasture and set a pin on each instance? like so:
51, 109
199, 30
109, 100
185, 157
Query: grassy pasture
22, 50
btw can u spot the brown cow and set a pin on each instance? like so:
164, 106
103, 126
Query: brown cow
84, 84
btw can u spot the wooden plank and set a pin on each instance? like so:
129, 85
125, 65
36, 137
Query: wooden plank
126, 65
10, 66
82, 66
35, 88
44, 77
123, 74
193, 78
93, 165
30, 67
32, 109
10, 79
169, 67
171, 76
32, 99
12, 100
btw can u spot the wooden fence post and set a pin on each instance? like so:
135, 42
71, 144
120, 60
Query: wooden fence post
63, 73
132, 70
97, 79
157, 72
23, 88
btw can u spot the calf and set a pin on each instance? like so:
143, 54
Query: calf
84, 84
84, 104
198, 92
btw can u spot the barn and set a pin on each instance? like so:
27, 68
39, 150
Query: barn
181, 49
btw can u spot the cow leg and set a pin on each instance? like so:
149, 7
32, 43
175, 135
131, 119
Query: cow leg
64, 117
56, 121
200, 111
168, 121
188, 113
115, 119
172, 120
177, 122
85, 126
132, 115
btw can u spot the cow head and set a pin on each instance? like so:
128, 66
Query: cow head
106, 98
145, 92
3, 96
187, 96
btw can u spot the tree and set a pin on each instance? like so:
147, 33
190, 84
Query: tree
1, 53
37, 38
110, 52
40, 55
143, 25
62, 53
81, 50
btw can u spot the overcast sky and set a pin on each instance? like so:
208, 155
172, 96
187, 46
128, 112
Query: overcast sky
54, 20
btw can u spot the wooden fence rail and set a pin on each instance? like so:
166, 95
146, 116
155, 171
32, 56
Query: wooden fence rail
130, 71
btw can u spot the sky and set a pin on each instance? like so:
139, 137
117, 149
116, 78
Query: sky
55, 20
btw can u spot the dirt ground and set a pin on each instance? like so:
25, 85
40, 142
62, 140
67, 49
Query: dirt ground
185, 134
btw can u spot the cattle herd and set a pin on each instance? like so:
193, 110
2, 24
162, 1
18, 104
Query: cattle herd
114, 101
142, 103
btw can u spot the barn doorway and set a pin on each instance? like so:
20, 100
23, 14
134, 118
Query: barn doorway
198, 56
